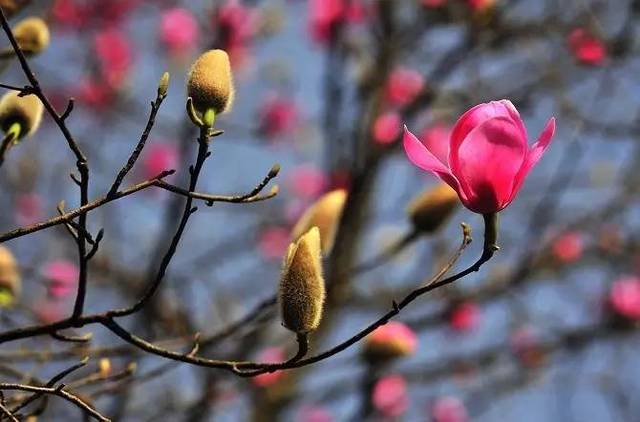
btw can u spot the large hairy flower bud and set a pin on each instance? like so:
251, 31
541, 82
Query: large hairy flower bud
32, 35
210, 83
325, 214
25, 112
432, 208
302, 289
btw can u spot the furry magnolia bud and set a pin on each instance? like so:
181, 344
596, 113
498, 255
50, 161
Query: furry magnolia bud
390, 341
301, 285
432, 208
325, 214
32, 35
210, 83
10, 282
24, 111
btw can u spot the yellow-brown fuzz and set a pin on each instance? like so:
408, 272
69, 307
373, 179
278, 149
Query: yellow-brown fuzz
26, 111
32, 35
302, 289
375, 350
325, 214
210, 82
9, 273
432, 208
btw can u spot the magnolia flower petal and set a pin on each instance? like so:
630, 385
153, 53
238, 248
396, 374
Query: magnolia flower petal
515, 115
487, 162
474, 117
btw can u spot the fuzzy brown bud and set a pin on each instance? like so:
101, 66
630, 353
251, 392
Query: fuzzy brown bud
432, 208
10, 282
302, 289
32, 35
25, 111
210, 82
325, 214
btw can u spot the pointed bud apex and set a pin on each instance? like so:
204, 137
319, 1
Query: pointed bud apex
432, 208
302, 289
210, 83
163, 85
10, 281
32, 35
25, 111
325, 214
104, 367
274, 171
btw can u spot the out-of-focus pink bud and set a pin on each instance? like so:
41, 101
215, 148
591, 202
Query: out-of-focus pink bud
114, 53
488, 157
587, 48
70, 13
307, 181
464, 317
449, 409
386, 128
278, 116
269, 355
28, 208
403, 86
391, 340
178, 30
326, 15
61, 277
94, 93
236, 25
568, 247
159, 157
273, 242
390, 397
624, 298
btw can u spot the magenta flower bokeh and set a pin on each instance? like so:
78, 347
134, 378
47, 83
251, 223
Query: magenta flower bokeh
488, 157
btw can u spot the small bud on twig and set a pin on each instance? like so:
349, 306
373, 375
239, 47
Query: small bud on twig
210, 82
25, 111
163, 85
32, 35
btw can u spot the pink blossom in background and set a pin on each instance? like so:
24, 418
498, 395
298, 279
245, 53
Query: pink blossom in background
113, 11
236, 25
568, 247
403, 86
465, 317
115, 55
397, 333
178, 30
390, 396
433, 3
48, 311
273, 242
294, 209
449, 409
488, 157
586, 48
314, 414
94, 93
159, 157
326, 15
70, 13
386, 128
278, 116
436, 139
28, 208
479, 5
624, 297
307, 181
61, 277
269, 355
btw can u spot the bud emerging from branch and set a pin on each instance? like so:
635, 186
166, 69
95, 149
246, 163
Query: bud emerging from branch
302, 290
10, 282
325, 214
26, 112
32, 35
210, 82
431, 209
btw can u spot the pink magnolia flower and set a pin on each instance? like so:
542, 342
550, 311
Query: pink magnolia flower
178, 29
159, 157
465, 317
403, 86
624, 297
386, 128
70, 13
326, 15
273, 242
390, 396
278, 116
237, 23
394, 337
61, 276
448, 409
586, 48
28, 208
488, 157
436, 139
307, 181
114, 55
568, 247
269, 355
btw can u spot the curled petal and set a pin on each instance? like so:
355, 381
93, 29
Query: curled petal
476, 116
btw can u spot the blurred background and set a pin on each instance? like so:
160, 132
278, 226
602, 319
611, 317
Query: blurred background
545, 330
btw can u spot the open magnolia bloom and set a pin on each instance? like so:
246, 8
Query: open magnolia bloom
488, 156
